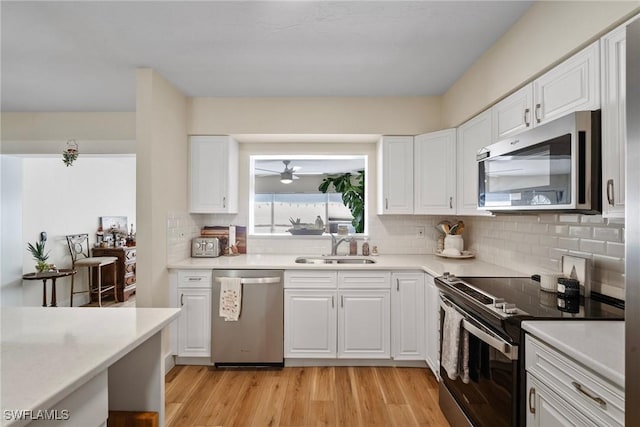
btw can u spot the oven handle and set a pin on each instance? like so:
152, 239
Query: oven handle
509, 350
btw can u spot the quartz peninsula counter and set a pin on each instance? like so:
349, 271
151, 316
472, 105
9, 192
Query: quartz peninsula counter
74, 364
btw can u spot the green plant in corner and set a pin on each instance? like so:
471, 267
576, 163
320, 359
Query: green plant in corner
351, 187
39, 255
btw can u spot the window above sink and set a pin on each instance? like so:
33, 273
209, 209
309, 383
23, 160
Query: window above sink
284, 189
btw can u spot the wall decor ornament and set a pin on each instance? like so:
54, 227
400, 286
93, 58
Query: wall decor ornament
70, 154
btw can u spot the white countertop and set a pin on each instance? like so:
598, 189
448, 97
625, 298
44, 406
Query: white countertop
47, 353
431, 264
597, 344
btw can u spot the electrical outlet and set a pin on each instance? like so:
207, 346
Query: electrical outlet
420, 232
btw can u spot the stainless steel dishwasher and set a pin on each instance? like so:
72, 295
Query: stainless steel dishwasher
257, 337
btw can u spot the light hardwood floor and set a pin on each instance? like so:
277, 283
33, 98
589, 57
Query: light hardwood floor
312, 396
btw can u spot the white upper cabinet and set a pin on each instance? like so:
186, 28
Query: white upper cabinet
472, 136
513, 114
614, 123
395, 175
573, 85
435, 173
213, 174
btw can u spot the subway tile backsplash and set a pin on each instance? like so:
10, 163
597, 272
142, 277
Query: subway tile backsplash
539, 241
528, 243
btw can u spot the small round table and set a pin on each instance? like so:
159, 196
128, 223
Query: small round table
46, 275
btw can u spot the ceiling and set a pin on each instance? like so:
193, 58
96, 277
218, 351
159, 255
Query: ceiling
82, 56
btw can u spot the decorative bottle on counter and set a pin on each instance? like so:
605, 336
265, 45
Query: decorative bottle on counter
365, 247
353, 247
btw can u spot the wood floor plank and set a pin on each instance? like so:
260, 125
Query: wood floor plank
269, 409
323, 383
311, 396
180, 389
347, 408
372, 404
390, 385
296, 405
224, 399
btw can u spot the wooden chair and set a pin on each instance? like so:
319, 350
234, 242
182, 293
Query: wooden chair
79, 249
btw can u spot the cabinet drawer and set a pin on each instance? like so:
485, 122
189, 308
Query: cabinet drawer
603, 401
195, 278
314, 279
361, 279
130, 255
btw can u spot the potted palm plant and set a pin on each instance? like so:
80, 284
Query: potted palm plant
39, 255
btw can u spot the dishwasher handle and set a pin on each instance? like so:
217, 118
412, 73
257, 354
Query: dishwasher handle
256, 280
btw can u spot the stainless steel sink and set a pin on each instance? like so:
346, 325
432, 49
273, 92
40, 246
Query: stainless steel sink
335, 260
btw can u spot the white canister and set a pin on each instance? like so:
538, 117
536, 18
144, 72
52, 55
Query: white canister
549, 281
454, 241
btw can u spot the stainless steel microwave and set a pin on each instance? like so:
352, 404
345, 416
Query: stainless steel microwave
552, 167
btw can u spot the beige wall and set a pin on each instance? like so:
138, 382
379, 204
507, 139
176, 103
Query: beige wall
161, 179
370, 115
47, 132
549, 32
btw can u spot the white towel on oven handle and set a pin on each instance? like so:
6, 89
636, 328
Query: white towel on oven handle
455, 345
230, 298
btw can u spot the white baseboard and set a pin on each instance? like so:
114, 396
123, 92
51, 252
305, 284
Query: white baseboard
355, 362
169, 362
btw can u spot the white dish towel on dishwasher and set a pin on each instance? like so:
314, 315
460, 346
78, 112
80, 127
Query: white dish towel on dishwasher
455, 345
230, 298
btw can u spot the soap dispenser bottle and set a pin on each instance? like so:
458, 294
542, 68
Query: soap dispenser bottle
365, 247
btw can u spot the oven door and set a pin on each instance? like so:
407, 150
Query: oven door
490, 398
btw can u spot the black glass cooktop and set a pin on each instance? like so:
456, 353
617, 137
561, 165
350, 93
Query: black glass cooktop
528, 297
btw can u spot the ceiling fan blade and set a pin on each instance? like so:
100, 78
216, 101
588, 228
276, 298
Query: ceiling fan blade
266, 170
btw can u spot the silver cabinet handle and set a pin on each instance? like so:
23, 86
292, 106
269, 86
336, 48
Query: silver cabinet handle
538, 107
450, 202
600, 401
224, 202
332, 302
195, 279
181, 300
532, 395
398, 285
527, 122
342, 301
610, 196
386, 203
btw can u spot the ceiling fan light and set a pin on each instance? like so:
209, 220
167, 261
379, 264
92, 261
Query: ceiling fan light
286, 177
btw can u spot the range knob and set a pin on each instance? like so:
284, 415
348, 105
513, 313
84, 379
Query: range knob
509, 308
198, 245
209, 245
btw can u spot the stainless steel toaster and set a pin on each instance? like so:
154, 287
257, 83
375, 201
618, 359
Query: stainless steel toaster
205, 247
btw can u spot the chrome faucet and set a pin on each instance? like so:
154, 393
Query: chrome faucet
335, 242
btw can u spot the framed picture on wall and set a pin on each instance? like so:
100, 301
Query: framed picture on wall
113, 223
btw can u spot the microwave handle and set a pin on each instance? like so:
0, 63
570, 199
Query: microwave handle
610, 196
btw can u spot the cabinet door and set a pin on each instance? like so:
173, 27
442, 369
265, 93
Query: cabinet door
407, 316
213, 170
395, 175
310, 323
435, 172
194, 323
472, 136
364, 324
547, 409
432, 314
571, 86
513, 114
614, 122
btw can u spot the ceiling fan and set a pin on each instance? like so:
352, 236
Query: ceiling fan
287, 175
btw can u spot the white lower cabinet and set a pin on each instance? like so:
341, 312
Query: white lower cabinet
310, 323
432, 314
562, 392
348, 315
408, 316
364, 324
191, 290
